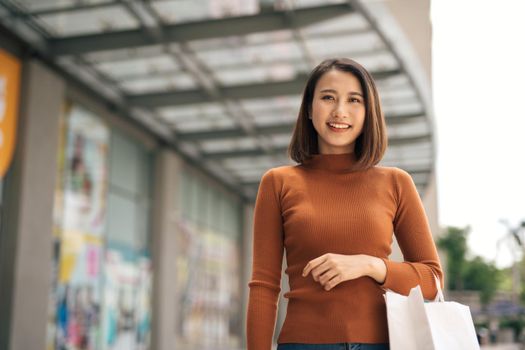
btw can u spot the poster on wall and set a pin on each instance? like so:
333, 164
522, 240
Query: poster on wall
9, 94
127, 291
79, 221
208, 288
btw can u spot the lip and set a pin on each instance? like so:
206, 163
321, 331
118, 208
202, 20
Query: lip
339, 130
334, 122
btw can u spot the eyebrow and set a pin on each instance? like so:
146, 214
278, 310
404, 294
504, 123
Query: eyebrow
335, 92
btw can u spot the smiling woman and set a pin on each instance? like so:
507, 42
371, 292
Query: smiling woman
334, 213
338, 104
340, 91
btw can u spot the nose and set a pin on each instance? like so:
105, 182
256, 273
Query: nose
340, 109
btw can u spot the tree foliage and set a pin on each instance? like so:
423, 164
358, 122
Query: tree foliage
464, 274
482, 276
454, 243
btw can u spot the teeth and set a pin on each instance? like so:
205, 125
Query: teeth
339, 126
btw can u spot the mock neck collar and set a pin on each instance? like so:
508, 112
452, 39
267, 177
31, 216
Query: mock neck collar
341, 162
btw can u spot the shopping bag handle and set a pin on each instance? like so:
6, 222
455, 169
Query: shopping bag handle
439, 295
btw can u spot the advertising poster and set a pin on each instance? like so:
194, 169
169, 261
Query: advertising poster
208, 289
9, 94
127, 290
79, 219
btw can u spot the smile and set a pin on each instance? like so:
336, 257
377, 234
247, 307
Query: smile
337, 127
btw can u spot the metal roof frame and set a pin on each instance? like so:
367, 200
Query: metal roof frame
74, 54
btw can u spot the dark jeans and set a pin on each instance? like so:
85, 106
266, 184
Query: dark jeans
334, 346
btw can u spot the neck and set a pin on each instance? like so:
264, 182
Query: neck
341, 162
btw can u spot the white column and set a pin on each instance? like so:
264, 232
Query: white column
165, 205
32, 196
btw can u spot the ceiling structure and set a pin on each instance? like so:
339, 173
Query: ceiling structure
221, 80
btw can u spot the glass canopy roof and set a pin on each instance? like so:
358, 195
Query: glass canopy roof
220, 80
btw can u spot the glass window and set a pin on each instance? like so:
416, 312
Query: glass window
128, 274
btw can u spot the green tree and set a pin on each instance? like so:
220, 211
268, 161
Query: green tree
482, 276
475, 274
454, 243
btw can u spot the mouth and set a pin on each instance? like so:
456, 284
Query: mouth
338, 127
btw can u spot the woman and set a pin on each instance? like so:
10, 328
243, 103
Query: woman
335, 212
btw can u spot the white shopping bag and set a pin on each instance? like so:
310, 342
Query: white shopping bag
414, 324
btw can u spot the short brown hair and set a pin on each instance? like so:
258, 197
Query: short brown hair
370, 145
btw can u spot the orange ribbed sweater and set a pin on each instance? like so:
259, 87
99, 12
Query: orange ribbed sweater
323, 206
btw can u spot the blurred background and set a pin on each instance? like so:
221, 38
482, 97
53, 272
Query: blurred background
133, 136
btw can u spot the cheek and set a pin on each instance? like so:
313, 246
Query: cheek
318, 113
359, 124
316, 109
360, 116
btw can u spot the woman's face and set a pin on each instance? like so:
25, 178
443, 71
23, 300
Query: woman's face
338, 98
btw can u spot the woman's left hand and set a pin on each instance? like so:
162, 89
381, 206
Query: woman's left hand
331, 269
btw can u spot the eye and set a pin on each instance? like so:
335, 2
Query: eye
325, 97
355, 99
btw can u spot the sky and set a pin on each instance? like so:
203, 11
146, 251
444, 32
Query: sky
478, 54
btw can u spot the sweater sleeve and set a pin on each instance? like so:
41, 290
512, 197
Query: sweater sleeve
414, 236
265, 283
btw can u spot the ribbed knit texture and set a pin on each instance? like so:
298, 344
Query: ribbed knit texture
323, 206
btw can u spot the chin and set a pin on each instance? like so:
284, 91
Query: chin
340, 144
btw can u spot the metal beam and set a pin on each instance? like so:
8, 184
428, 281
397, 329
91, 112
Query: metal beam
118, 56
196, 30
231, 133
225, 65
77, 6
245, 91
394, 141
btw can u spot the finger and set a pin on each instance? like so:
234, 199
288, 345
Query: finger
327, 276
320, 270
333, 282
312, 264
306, 269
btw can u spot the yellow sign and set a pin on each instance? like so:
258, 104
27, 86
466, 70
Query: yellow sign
9, 94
